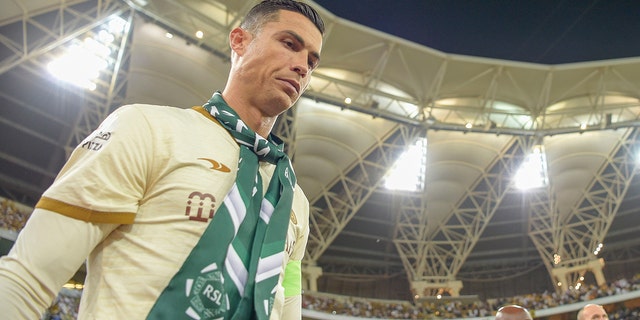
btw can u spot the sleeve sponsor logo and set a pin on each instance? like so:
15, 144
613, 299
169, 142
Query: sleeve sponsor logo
291, 241
293, 218
288, 246
96, 142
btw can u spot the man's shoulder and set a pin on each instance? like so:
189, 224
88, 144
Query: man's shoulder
153, 108
300, 204
155, 113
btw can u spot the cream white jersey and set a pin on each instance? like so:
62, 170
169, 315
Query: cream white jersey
140, 191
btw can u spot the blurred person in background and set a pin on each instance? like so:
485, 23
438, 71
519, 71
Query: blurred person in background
592, 312
513, 312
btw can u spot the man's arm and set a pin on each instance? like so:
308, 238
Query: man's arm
48, 252
292, 279
292, 284
101, 182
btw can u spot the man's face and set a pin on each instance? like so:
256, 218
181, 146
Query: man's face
276, 65
594, 312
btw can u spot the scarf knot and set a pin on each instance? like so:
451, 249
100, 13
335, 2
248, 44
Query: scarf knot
270, 150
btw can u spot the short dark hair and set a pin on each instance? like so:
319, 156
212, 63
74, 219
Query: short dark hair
268, 11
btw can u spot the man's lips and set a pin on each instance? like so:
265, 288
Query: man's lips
293, 83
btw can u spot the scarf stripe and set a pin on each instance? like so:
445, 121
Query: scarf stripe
266, 211
236, 212
236, 270
269, 266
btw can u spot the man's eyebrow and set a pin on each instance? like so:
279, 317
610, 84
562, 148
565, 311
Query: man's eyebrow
298, 38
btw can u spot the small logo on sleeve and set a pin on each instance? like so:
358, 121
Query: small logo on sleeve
96, 142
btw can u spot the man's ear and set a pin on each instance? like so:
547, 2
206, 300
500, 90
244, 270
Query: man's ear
238, 40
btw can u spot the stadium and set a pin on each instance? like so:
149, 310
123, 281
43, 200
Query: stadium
441, 185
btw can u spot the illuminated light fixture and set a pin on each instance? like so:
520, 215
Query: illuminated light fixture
439, 296
469, 125
556, 258
169, 35
116, 25
82, 62
583, 126
559, 284
533, 171
408, 173
598, 249
347, 100
96, 47
78, 66
105, 36
199, 34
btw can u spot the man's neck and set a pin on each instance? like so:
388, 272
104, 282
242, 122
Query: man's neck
251, 116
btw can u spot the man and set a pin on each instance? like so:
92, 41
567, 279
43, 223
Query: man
513, 312
592, 312
182, 213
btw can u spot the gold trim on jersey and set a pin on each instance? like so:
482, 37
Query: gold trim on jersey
85, 214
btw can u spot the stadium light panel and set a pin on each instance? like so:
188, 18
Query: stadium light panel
408, 173
82, 61
533, 171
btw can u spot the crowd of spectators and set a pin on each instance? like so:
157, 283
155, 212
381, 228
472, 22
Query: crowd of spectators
585, 293
624, 313
360, 307
12, 217
366, 308
65, 306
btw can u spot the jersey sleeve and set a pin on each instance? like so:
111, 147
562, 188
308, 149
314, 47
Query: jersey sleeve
48, 251
105, 177
97, 189
292, 280
301, 213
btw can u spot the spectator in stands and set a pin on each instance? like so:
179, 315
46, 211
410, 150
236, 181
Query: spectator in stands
183, 213
513, 312
592, 312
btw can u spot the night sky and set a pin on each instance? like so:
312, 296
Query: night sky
540, 31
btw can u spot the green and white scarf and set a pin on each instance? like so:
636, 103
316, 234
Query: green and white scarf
233, 270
